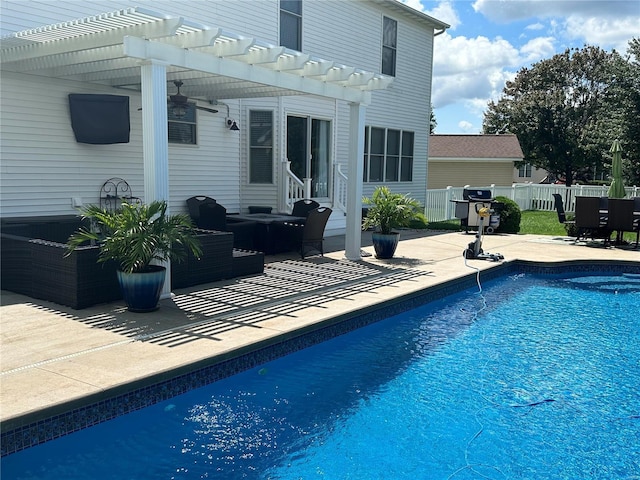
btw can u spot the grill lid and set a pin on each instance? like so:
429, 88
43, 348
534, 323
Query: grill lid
476, 194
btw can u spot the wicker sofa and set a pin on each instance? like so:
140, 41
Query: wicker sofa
33, 263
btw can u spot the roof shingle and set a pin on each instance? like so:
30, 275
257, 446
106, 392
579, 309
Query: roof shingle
475, 146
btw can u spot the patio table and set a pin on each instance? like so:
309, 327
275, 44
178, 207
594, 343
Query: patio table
264, 239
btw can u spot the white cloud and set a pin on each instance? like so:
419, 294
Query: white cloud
444, 11
612, 33
538, 49
466, 126
609, 24
470, 68
535, 26
510, 10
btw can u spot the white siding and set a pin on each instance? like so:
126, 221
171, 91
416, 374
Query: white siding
258, 17
43, 167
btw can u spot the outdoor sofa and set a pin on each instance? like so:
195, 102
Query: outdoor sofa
33, 262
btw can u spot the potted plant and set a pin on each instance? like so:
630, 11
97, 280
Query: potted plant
134, 236
388, 211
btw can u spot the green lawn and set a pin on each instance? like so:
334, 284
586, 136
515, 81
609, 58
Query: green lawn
533, 222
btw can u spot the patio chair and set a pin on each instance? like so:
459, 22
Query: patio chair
213, 216
620, 218
302, 208
592, 218
193, 205
307, 237
559, 204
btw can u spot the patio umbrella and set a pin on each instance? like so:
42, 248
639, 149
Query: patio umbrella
616, 190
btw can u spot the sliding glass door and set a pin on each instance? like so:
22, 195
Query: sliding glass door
309, 151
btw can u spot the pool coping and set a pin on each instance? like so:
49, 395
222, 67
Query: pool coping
55, 421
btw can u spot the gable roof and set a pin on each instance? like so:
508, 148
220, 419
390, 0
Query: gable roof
504, 146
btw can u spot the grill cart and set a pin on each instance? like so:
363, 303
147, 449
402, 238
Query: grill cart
467, 210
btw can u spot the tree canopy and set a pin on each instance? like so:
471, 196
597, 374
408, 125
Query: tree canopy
567, 110
432, 121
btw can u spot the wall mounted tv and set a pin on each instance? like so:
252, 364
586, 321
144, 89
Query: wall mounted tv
99, 119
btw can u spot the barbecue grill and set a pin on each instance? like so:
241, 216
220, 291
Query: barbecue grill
472, 201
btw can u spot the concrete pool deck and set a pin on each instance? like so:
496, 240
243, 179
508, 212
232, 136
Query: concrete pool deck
54, 357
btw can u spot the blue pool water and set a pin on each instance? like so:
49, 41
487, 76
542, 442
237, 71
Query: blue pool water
533, 378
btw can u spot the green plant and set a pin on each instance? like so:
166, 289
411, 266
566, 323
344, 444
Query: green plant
390, 210
137, 234
510, 216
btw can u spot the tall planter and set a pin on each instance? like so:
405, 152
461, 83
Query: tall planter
141, 290
387, 211
385, 244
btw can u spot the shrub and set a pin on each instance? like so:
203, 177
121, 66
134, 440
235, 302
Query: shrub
510, 215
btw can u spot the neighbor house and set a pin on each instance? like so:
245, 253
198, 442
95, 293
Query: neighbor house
286, 99
476, 160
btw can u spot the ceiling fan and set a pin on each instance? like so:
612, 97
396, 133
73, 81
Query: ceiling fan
179, 102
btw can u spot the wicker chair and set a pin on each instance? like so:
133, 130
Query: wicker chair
621, 217
307, 237
592, 219
302, 207
208, 214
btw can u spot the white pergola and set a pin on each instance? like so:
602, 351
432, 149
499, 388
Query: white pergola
143, 50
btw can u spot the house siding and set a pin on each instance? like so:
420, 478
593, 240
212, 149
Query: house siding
43, 167
453, 173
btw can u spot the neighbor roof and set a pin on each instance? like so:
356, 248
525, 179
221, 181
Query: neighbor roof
504, 146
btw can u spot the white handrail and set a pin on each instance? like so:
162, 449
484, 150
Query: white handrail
294, 188
340, 189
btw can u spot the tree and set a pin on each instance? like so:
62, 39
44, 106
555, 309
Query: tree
627, 92
566, 111
432, 121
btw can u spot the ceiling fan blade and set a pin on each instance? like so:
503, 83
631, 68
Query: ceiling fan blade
210, 110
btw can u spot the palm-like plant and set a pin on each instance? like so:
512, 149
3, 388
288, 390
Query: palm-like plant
137, 234
390, 210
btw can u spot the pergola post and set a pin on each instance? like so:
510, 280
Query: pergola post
353, 237
155, 143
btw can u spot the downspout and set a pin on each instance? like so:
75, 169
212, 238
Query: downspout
440, 32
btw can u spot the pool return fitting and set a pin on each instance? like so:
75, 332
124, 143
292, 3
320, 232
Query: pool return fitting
474, 250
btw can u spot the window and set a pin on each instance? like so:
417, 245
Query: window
291, 24
388, 155
182, 128
389, 41
260, 146
525, 170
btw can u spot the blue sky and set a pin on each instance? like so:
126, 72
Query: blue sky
490, 40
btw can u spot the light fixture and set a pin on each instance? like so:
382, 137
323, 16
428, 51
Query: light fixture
179, 111
232, 125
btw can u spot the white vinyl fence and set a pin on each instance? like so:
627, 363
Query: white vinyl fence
529, 196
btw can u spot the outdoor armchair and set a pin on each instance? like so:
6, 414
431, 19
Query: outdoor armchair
304, 238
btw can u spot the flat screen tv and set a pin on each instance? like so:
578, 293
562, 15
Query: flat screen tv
99, 119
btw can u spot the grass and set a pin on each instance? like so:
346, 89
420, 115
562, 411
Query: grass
532, 222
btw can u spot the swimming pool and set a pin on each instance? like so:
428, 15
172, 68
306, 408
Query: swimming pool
537, 377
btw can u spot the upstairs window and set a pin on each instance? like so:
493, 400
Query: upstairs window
182, 127
388, 155
524, 171
389, 44
291, 24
